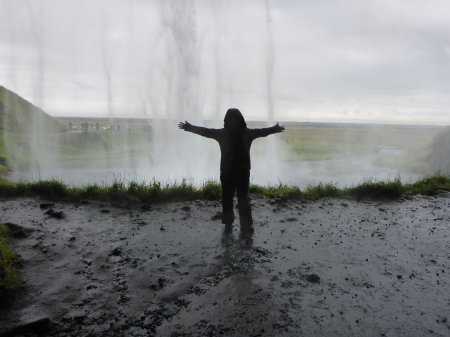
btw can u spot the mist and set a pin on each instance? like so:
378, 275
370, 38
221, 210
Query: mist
277, 61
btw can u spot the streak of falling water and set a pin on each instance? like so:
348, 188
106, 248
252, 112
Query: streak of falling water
270, 64
178, 153
270, 158
37, 148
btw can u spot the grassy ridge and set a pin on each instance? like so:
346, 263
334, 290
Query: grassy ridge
10, 278
19, 115
22, 126
122, 191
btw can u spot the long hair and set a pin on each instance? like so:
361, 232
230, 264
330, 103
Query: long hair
234, 121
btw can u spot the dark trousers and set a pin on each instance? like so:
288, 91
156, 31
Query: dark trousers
239, 182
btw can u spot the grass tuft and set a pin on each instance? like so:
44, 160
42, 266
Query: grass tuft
210, 189
288, 191
10, 278
429, 185
377, 190
322, 190
124, 191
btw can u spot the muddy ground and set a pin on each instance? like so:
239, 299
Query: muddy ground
328, 268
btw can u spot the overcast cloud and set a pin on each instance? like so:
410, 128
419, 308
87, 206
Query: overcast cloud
330, 60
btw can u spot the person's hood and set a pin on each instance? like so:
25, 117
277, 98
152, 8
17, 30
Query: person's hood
234, 120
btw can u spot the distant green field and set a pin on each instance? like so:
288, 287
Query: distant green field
332, 141
298, 142
97, 147
28, 136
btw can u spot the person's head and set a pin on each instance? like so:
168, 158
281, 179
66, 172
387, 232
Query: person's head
234, 120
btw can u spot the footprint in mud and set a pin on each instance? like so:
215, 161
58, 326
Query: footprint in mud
378, 234
160, 284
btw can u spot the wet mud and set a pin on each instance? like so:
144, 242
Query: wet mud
334, 267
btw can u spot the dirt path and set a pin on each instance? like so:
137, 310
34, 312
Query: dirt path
383, 269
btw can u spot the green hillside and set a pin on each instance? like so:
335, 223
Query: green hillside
30, 138
19, 115
432, 158
21, 124
439, 153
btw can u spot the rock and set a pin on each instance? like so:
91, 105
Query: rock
53, 214
125, 326
44, 206
58, 215
278, 200
35, 327
217, 216
314, 278
169, 312
20, 234
185, 208
146, 208
281, 197
85, 202
116, 252
17, 231
49, 212
161, 282
104, 211
378, 234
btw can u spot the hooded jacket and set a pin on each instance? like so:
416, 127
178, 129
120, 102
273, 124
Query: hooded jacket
235, 140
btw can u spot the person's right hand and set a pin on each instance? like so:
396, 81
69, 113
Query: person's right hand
184, 126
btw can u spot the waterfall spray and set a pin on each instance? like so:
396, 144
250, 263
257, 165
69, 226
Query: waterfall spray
270, 160
176, 153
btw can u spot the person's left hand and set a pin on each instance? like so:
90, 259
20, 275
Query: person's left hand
184, 126
279, 128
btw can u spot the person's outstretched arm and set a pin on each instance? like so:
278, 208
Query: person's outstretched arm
199, 130
264, 132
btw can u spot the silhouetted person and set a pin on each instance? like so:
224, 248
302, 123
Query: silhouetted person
235, 140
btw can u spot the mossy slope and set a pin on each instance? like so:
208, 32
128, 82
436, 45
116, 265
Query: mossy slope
19, 115
434, 157
20, 121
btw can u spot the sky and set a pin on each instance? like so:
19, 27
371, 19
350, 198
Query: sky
372, 61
